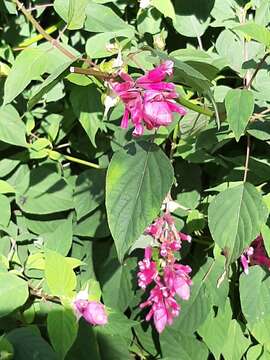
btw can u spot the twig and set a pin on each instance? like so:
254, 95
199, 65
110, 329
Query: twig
47, 36
78, 70
41, 6
40, 29
247, 158
41, 295
259, 65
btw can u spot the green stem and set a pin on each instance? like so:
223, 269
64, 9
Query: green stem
199, 109
80, 161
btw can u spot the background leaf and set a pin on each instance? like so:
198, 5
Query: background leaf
133, 199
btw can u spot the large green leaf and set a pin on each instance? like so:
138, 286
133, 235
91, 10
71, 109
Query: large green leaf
43, 191
138, 180
239, 106
195, 311
62, 328
29, 345
236, 343
12, 128
235, 219
59, 274
13, 293
256, 303
175, 345
87, 106
214, 330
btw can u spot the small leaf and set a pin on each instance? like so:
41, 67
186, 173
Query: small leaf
48, 84
59, 274
13, 293
72, 11
257, 32
236, 216
138, 180
87, 106
239, 106
5, 210
43, 191
165, 7
12, 128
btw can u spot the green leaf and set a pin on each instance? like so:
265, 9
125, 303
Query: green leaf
259, 129
257, 32
256, 303
30, 345
43, 191
116, 280
59, 274
12, 128
6, 349
165, 7
60, 240
195, 311
87, 106
239, 107
236, 216
72, 11
176, 345
214, 330
192, 17
236, 343
13, 293
48, 84
5, 187
5, 210
29, 65
138, 180
93, 224
100, 18
89, 191
62, 328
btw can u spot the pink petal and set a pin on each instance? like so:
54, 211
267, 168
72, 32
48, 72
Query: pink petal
160, 319
95, 313
138, 131
159, 86
244, 263
124, 122
174, 107
157, 113
182, 288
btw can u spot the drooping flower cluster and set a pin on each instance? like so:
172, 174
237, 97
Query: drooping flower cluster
92, 311
149, 100
167, 277
255, 255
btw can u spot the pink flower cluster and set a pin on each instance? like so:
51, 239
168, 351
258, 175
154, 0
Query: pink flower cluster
255, 255
149, 100
92, 311
165, 274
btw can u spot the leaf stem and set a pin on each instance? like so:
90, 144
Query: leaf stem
247, 158
80, 161
259, 65
199, 109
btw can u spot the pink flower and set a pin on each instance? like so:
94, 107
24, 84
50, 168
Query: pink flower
176, 279
92, 311
163, 307
149, 100
95, 313
255, 255
148, 269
